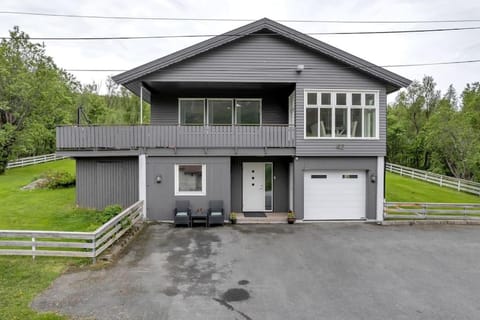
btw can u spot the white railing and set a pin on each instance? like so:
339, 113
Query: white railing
435, 211
438, 179
22, 162
70, 244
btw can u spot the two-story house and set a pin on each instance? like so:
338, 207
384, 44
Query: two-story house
263, 117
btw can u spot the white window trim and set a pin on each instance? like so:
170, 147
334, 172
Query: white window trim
248, 99
206, 110
191, 193
349, 106
180, 113
207, 122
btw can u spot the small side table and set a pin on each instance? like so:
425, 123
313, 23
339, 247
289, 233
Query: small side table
200, 216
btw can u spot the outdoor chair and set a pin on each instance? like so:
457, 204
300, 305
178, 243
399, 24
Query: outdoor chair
182, 213
215, 212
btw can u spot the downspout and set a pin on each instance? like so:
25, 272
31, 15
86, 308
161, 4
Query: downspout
141, 103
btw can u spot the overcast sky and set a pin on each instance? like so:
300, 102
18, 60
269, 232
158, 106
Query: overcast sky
378, 49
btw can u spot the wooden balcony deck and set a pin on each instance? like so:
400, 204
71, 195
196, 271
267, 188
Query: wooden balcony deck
135, 137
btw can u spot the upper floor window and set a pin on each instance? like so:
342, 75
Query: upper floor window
248, 111
341, 114
219, 111
192, 112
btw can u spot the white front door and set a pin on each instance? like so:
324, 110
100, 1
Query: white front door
253, 186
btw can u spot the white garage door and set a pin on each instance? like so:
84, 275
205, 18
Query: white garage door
334, 195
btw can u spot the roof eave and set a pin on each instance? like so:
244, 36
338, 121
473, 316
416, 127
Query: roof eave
294, 35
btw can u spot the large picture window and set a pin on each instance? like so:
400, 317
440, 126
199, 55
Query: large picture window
192, 112
190, 180
341, 114
220, 111
248, 111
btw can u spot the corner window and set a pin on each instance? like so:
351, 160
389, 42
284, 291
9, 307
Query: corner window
192, 112
345, 114
190, 180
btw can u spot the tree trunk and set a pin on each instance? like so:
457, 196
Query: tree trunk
5, 150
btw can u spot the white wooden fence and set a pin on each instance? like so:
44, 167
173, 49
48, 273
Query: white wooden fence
70, 244
22, 162
438, 179
434, 211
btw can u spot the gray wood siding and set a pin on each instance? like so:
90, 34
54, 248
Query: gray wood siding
105, 181
161, 196
164, 109
273, 59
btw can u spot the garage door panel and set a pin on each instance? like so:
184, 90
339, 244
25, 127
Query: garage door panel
334, 195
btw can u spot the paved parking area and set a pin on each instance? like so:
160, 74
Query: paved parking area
302, 271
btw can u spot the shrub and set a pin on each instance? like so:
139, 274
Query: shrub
109, 212
58, 179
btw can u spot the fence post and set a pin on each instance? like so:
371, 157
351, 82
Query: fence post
94, 254
425, 206
441, 181
459, 185
34, 248
401, 171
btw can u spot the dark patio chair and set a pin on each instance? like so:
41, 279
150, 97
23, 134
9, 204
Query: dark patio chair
182, 213
215, 212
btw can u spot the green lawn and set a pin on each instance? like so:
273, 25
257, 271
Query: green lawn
41, 209
22, 278
403, 189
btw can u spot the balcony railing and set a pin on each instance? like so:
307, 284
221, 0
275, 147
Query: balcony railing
134, 137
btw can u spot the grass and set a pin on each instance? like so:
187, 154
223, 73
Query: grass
22, 278
41, 209
403, 189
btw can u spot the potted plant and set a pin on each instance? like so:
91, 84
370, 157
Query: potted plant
291, 217
233, 218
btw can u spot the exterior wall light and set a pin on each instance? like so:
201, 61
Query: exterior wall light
300, 68
158, 179
373, 178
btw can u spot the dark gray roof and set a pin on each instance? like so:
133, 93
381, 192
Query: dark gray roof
393, 79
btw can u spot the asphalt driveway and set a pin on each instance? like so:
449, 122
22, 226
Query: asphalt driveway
304, 271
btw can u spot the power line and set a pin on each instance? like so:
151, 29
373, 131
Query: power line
383, 66
430, 64
44, 14
245, 34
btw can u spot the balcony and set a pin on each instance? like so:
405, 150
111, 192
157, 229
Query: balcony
111, 138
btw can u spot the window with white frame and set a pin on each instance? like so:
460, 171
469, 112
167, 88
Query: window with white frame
191, 112
190, 180
220, 111
248, 111
341, 114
